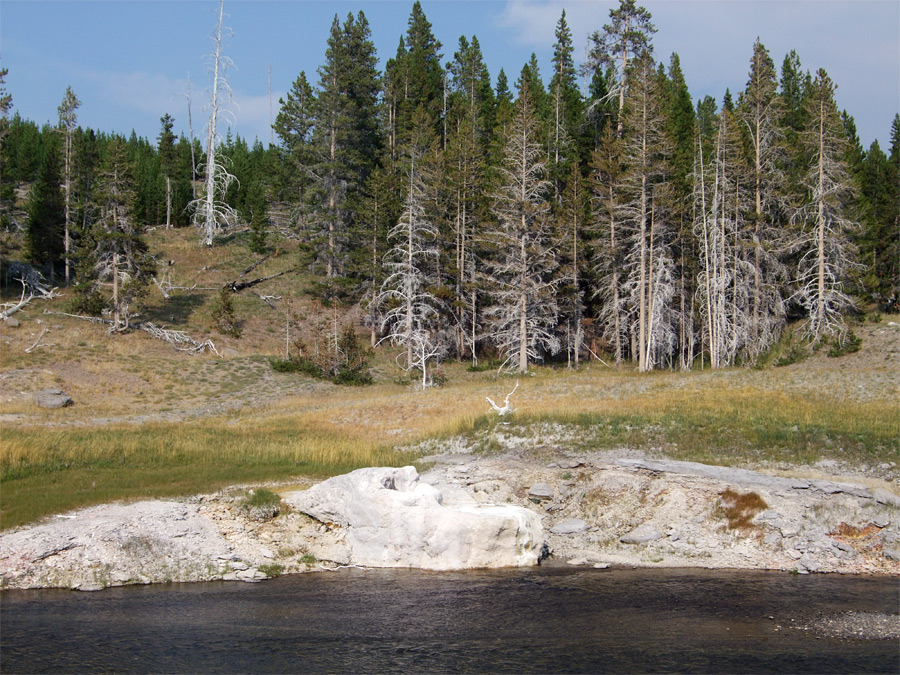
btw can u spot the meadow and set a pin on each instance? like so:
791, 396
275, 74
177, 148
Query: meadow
149, 421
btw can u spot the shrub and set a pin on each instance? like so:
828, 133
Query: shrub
350, 366
89, 303
847, 343
262, 504
271, 569
796, 353
223, 315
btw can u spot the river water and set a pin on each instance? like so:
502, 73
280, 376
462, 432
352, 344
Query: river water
546, 619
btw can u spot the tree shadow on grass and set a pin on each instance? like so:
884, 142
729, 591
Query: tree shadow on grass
176, 310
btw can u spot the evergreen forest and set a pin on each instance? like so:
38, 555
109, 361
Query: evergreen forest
568, 212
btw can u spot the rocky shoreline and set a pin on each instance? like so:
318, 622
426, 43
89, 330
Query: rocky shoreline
602, 509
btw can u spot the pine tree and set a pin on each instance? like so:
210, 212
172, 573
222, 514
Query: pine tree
7, 184
46, 213
760, 111
879, 240
464, 183
628, 34
519, 267
422, 74
165, 148
114, 247
827, 254
472, 94
346, 142
570, 225
566, 140
680, 132
293, 126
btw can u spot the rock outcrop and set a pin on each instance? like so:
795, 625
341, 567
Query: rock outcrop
390, 519
52, 398
114, 544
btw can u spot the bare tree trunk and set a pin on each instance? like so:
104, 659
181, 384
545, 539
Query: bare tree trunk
211, 224
271, 118
168, 203
620, 122
642, 282
523, 334
617, 339
115, 296
191, 132
820, 224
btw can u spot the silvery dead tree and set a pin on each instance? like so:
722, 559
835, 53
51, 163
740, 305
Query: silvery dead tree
651, 285
570, 226
411, 311
33, 286
725, 277
465, 176
759, 112
519, 270
644, 149
827, 255
607, 243
211, 212
67, 122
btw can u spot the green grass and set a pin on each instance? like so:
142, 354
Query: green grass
50, 471
733, 427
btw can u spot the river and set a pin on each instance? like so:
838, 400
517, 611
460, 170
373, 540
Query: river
546, 619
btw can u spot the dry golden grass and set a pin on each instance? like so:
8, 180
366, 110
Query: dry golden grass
739, 509
151, 421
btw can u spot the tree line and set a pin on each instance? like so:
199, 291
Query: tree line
472, 217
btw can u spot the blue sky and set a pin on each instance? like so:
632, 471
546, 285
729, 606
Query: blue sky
129, 60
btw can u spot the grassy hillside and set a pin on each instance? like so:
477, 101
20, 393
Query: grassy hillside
149, 420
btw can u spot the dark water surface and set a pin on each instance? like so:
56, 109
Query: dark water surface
547, 619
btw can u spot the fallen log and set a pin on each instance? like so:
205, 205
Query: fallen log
237, 286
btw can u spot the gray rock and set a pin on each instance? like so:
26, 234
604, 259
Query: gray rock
790, 530
892, 554
643, 534
882, 496
51, 398
390, 519
794, 554
570, 526
772, 538
882, 521
808, 563
11, 322
541, 491
251, 575
721, 473
768, 514
89, 586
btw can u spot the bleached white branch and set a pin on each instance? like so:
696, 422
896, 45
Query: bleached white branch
507, 406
